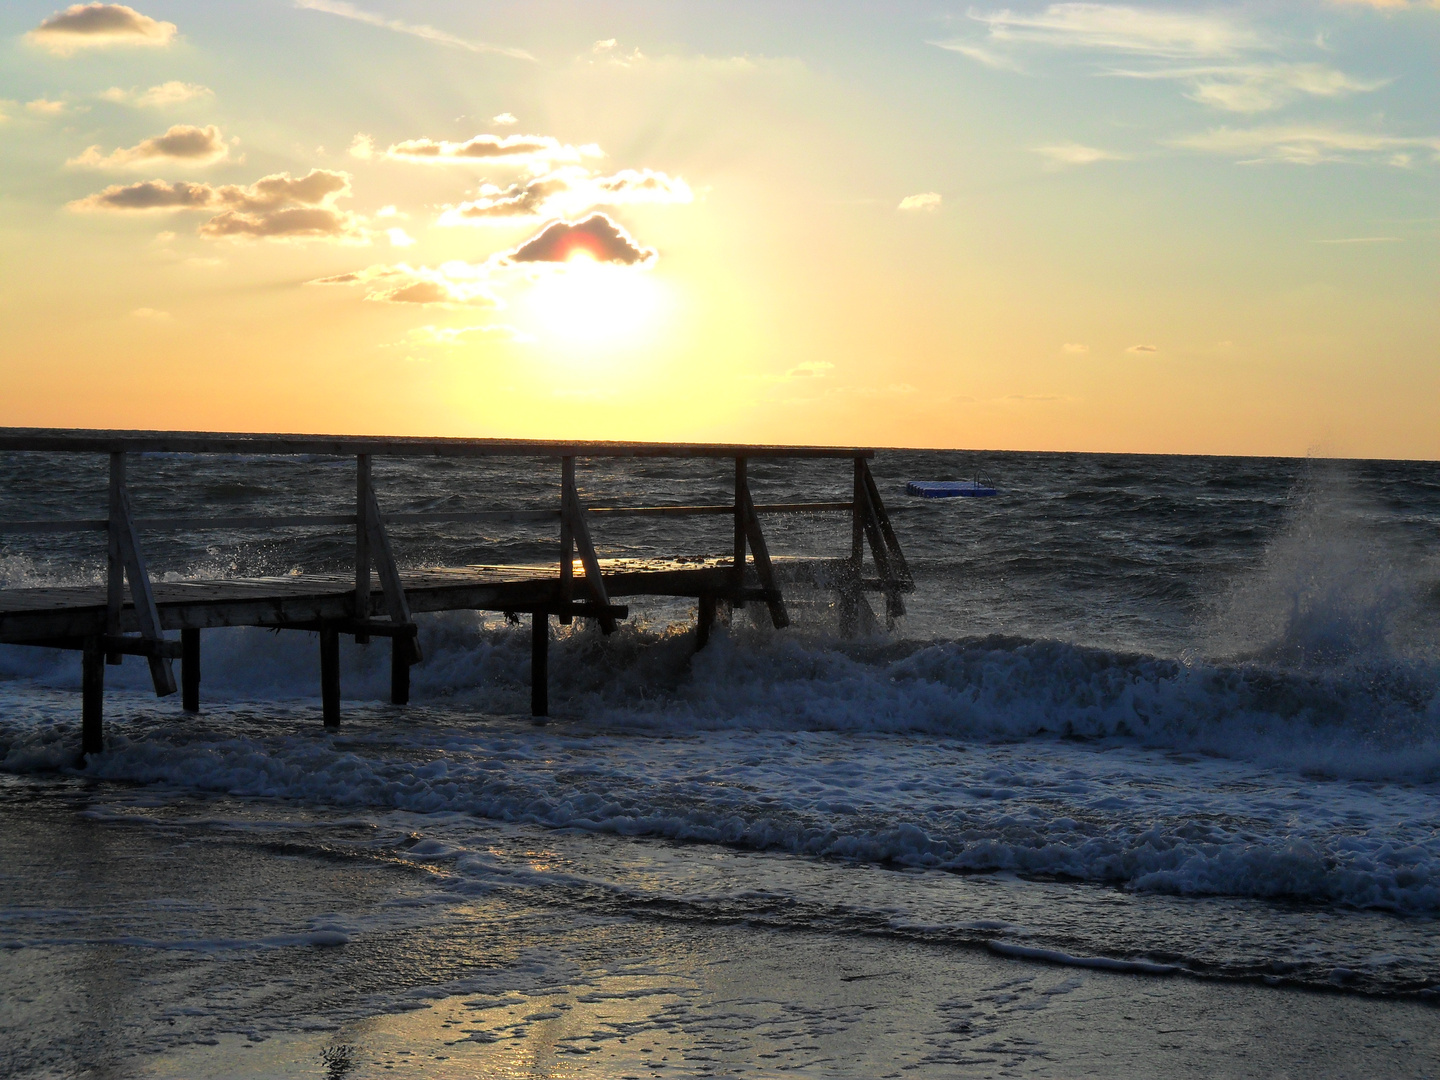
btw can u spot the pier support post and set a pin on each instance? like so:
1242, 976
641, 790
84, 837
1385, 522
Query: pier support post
399, 671
330, 675
190, 670
540, 664
92, 697
704, 619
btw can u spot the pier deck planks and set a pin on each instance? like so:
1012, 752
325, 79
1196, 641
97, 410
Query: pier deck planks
78, 611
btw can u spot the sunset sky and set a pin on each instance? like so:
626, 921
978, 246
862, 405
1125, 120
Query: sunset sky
1074, 226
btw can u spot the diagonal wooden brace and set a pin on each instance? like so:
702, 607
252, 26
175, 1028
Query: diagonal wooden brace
573, 512
396, 606
127, 543
890, 580
750, 523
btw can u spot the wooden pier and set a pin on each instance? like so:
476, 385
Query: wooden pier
130, 613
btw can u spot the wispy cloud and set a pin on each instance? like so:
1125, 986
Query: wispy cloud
1252, 88
420, 30
980, 54
157, 97
1070, 153
1117, 28
1216, 55
1309, 145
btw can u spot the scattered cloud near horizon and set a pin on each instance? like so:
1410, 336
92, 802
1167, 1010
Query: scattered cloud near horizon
90, 26
1075, 348
182, 142
1142, 349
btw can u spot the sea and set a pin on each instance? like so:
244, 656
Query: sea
1146, 779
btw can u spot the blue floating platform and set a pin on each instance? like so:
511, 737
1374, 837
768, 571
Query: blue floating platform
948, 489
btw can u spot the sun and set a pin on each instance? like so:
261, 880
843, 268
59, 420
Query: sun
592, 307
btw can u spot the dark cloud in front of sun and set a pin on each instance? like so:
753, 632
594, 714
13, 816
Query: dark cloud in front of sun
597, 236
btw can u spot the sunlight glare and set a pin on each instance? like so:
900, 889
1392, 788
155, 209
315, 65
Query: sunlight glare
592, 305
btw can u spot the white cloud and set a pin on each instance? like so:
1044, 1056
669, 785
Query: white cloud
1308, 145
505, 119
399, 237
1070, 153
157, 97
94, 26
151, 314
420, 30
1142, 349
925, 201
182, 142
362, 147
1075, 348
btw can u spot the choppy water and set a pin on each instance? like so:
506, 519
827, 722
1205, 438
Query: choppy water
1147, 712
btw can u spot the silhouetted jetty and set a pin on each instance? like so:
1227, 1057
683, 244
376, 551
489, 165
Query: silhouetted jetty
130, 613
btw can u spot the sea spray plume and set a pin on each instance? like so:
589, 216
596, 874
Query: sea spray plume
1331, 591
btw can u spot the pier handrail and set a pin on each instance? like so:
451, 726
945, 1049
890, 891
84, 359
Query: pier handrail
101, 441
126, 563
419, 517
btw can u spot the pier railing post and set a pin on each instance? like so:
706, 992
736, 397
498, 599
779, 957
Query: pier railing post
190, 670
114, 564
567, 538
540, 664
362, 542
330, 674
742, 493
851, 596
92, 697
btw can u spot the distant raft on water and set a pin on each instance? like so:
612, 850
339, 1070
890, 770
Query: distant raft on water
948, 489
